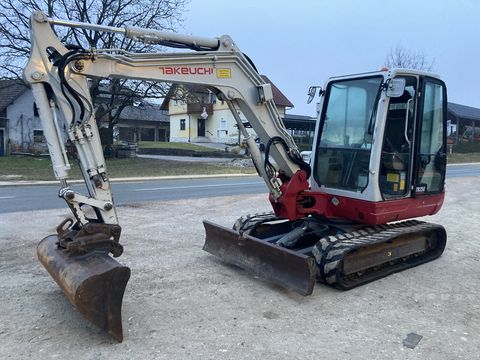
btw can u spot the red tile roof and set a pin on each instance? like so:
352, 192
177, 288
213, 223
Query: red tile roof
278, 97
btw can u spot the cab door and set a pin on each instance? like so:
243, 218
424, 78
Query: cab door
395, 175
430, 148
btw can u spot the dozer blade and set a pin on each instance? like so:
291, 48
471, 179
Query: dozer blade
279, 265
94, 283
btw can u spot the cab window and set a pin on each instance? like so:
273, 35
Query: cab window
343, 149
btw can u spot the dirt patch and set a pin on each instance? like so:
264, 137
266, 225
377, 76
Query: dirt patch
184, 303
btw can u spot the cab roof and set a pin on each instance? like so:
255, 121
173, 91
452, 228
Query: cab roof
387, 73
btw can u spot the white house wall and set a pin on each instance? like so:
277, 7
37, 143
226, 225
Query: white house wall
219, 127
215, 130
22, 122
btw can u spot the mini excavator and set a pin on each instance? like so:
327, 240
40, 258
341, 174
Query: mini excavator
345, 218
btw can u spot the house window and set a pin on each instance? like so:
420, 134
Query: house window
38, 136
35, 109
182, 124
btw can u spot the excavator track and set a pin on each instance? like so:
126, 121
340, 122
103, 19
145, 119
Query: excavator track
354, 258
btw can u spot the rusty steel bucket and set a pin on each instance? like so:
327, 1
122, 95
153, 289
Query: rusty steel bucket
93, 282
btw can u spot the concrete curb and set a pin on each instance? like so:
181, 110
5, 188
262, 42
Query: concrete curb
128, 179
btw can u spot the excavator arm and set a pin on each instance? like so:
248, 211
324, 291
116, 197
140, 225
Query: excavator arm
58, 77
78, 256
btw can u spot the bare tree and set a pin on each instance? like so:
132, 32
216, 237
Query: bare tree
402, 57
109, 96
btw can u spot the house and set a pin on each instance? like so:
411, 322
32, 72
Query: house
201, 117
302, 129
143, 122
463, 123
21, 129
133, 117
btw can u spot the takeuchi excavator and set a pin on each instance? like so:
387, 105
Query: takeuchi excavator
378, 160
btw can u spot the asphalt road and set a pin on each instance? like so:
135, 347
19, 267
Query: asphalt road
22, 198
39, 197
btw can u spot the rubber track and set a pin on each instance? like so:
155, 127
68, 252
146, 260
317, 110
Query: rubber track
330, 251
247, 223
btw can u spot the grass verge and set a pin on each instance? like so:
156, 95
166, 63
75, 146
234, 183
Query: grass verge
40, 168
458, 158
174, 145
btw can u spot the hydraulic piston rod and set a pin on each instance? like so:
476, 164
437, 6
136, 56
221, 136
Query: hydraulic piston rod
145, 35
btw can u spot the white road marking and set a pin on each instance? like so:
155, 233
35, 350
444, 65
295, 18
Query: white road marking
7, 197
197, 186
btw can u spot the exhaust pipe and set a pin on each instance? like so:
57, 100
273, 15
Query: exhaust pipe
93, 282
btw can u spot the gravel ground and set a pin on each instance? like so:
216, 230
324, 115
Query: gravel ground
182, 303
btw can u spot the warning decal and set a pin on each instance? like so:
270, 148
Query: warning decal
224, 73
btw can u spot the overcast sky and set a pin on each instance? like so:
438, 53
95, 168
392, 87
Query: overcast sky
303, 42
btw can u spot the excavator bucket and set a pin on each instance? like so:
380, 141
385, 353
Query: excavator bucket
93, 282
281, 266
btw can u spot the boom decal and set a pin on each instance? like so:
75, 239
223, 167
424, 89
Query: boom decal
185, 70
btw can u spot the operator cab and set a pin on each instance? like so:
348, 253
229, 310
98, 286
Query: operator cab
373, 144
